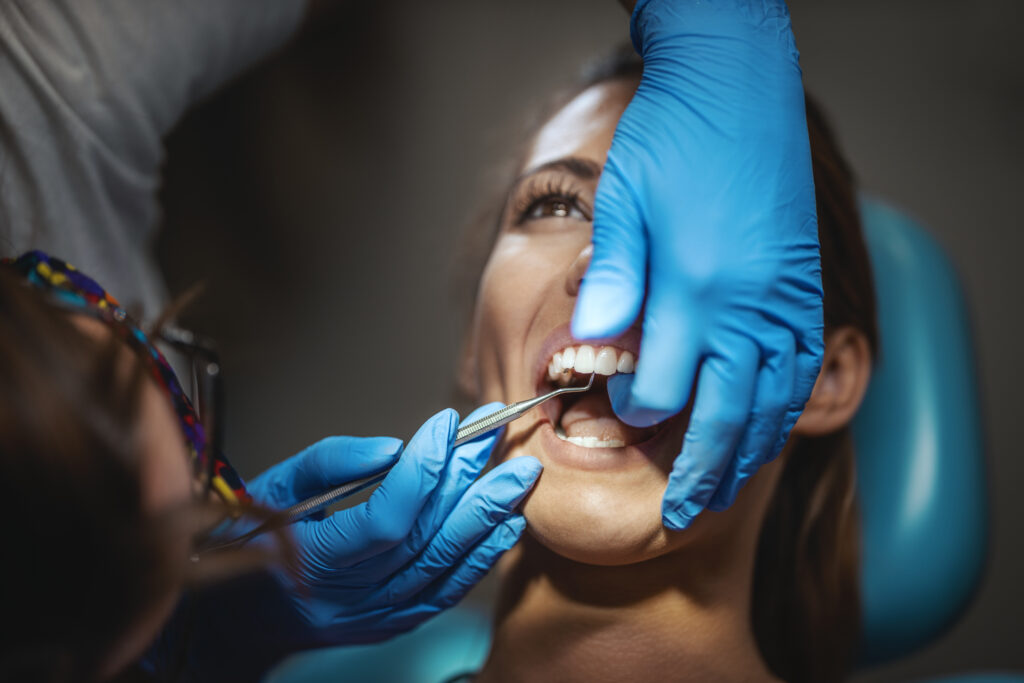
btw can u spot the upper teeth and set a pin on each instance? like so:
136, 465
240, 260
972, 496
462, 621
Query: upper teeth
585, 359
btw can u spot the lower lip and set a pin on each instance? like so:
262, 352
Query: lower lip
569, 454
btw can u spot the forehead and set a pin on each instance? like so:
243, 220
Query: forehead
584, 127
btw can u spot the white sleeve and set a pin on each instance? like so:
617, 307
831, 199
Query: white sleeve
88, 89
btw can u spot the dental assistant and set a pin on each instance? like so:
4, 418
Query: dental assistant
718, 263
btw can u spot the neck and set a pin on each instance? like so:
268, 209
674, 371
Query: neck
662, 619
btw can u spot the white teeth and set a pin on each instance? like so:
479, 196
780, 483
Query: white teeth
569, 357
604, 364
555, 367
625, 362
588, 441
584, 360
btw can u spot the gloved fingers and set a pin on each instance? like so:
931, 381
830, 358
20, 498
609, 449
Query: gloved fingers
771, 400
464, 466
781, 371
809, 356
725, 392
612, 291
488, 503
385, 520
475, 566
671, 350
450, 588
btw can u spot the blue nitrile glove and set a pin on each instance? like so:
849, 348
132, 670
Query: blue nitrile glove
707, 196
422, 540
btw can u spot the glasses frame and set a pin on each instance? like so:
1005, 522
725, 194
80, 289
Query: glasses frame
207, 396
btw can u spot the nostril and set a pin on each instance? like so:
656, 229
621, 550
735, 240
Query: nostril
578, 269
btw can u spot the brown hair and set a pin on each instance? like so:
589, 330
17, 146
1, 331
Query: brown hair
805, 604
84, 559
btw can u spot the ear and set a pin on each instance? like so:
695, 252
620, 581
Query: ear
840, 386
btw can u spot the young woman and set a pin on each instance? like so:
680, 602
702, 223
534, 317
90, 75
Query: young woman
599, 589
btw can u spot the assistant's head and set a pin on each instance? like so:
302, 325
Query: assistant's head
598, 500
96, 491
92, 464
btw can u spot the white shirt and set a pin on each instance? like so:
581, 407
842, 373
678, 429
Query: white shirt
88, 89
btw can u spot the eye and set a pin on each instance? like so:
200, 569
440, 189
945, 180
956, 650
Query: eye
555, 206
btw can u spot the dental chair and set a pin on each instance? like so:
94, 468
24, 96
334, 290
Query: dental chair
919, 455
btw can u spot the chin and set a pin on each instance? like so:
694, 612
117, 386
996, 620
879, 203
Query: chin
599, 516
603, 538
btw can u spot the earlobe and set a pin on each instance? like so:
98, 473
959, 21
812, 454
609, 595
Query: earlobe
840, 386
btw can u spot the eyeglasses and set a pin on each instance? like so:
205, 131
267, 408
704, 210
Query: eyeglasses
73, 290
199, 417
207, 398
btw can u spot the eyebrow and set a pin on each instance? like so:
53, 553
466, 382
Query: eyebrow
584, 169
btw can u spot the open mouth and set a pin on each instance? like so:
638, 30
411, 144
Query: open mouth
587, 419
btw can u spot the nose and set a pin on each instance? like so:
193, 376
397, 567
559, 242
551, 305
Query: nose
577, 269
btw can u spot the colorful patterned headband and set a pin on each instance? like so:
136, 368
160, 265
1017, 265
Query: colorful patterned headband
76, 290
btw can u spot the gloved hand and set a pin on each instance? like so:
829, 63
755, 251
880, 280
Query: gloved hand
707, 196
421, 541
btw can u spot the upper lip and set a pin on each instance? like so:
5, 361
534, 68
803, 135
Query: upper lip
561, 337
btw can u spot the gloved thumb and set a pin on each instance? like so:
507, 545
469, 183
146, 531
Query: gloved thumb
613, 288
334, 461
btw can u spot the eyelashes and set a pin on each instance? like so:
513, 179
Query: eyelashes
552, 197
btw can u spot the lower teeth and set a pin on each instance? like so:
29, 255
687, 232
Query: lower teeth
588, 441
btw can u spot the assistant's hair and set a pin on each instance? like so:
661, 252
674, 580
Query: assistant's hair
84, 559
806, 597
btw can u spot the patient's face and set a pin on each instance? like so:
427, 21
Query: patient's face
599, 498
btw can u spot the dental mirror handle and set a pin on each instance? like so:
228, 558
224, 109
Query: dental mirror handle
509, 413
466, 432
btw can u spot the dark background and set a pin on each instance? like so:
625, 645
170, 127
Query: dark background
323, 198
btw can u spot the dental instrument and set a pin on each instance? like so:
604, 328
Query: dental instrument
465, 433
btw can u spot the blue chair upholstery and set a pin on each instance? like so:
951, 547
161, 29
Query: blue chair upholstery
452, 643
921, 480
920, 461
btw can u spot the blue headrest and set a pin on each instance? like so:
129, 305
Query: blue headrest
921, 481
920, 465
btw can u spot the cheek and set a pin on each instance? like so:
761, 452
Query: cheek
520, 281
